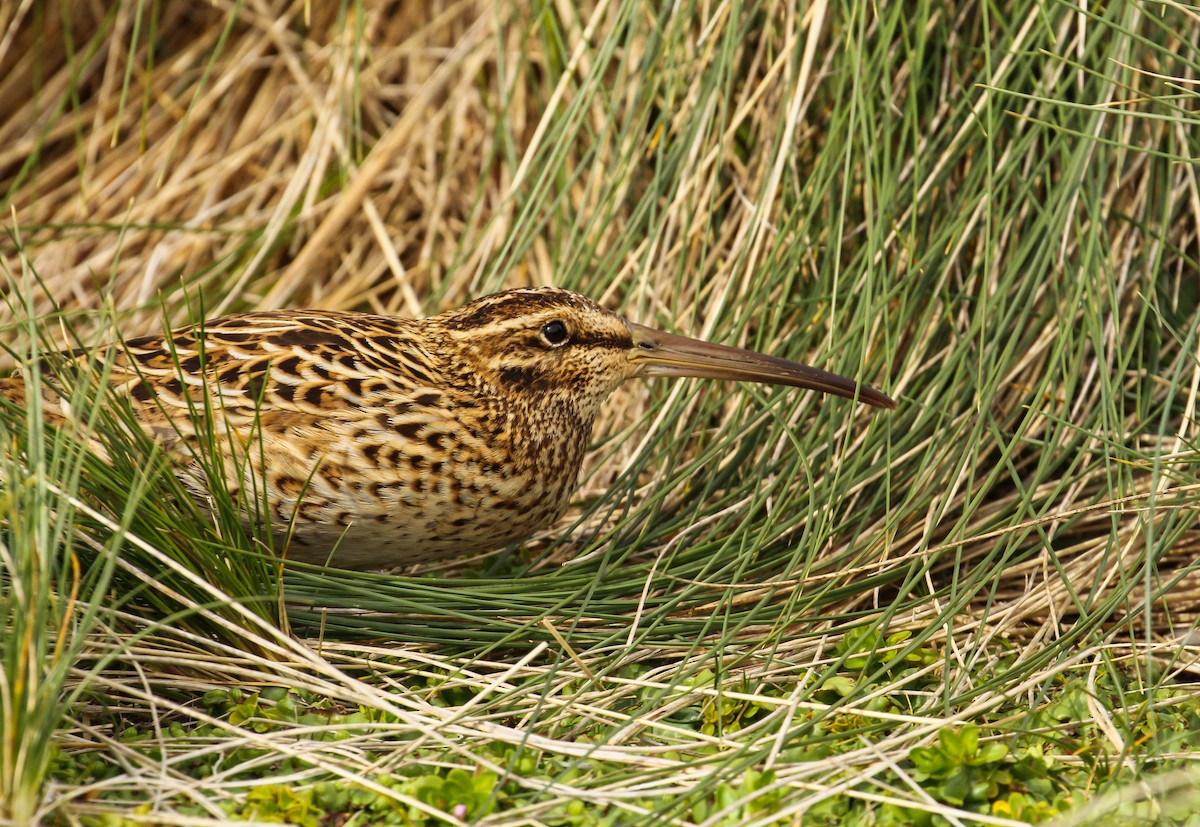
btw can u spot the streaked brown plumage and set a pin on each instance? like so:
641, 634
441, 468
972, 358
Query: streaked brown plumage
395, 441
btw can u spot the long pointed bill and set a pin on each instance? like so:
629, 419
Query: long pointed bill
665, 354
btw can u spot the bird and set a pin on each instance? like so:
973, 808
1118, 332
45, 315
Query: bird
375, 441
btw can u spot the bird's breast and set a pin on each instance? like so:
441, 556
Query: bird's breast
434, 475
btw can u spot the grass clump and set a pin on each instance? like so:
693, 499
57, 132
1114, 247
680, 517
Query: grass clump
765, 607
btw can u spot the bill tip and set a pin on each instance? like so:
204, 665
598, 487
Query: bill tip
877, 398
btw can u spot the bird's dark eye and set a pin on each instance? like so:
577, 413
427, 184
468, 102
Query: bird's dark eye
555, 333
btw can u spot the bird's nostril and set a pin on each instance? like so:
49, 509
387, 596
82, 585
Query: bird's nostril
646, 345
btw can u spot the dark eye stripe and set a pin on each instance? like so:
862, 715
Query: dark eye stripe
615, 341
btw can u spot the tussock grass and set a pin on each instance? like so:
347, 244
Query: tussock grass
765, 604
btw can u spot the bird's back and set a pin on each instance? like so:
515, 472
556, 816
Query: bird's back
363, 432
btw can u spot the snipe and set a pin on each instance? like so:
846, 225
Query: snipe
387, 440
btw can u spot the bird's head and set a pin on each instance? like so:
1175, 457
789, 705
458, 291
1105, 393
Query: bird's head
554, 344
544, 344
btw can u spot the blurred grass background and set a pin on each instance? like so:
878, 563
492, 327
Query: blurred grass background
765, 604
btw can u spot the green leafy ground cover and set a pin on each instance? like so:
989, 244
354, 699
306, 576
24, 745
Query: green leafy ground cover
1025, 767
